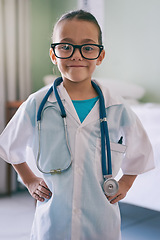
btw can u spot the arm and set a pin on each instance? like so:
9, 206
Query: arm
125, 184
35, 185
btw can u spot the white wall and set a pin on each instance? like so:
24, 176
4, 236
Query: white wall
132, 43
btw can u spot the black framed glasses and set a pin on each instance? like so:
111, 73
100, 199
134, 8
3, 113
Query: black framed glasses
87, 51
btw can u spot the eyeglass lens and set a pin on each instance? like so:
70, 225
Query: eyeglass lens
87, 51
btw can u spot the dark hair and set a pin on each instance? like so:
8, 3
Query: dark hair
82, 15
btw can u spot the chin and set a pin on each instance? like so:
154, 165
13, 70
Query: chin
76, 78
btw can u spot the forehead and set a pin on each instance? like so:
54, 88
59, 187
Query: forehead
78, 31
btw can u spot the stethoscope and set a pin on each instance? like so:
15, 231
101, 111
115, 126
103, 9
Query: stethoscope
110, 185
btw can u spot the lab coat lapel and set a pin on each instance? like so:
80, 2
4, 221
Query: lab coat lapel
94, 113
66, 102
92, 116
69, 107
109, 101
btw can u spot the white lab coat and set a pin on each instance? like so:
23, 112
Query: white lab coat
78, 208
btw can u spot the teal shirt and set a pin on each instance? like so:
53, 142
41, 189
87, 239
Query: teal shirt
83, 107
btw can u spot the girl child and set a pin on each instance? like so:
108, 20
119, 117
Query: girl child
73, 205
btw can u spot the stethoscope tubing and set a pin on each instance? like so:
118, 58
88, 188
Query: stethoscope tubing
105, 143
55, 84
39, 113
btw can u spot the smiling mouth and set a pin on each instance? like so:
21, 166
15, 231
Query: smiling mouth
76, 66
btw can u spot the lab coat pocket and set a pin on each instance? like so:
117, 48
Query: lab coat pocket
117, 154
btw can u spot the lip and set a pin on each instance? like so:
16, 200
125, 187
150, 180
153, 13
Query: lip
76, 66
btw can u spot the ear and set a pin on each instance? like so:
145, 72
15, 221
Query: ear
101, 57
52, 56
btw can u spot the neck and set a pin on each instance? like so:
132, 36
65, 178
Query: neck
80, 90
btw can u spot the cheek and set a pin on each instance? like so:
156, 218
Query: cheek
92, 67
61, 64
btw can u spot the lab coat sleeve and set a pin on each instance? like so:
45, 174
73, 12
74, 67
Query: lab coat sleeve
139, 155
18, 135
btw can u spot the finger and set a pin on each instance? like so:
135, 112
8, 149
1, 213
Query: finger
46, 193
37, 197
44, 189
42, 194
43, 184
116, 199
112, 197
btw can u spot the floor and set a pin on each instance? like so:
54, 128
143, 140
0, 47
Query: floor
16, 216
139, 223
17, 211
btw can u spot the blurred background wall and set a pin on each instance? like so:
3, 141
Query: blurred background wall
44, 15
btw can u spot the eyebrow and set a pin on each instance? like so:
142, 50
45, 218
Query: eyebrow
88, 40
70, 40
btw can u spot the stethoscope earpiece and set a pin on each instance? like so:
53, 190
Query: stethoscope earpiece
110, 187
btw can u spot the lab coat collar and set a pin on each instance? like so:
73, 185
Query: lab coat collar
109, 99
66, 100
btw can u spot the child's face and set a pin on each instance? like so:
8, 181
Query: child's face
77, 32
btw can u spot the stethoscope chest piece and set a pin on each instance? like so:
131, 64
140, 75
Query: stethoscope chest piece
110, 187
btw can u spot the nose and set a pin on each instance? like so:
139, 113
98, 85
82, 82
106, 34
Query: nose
77, 55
